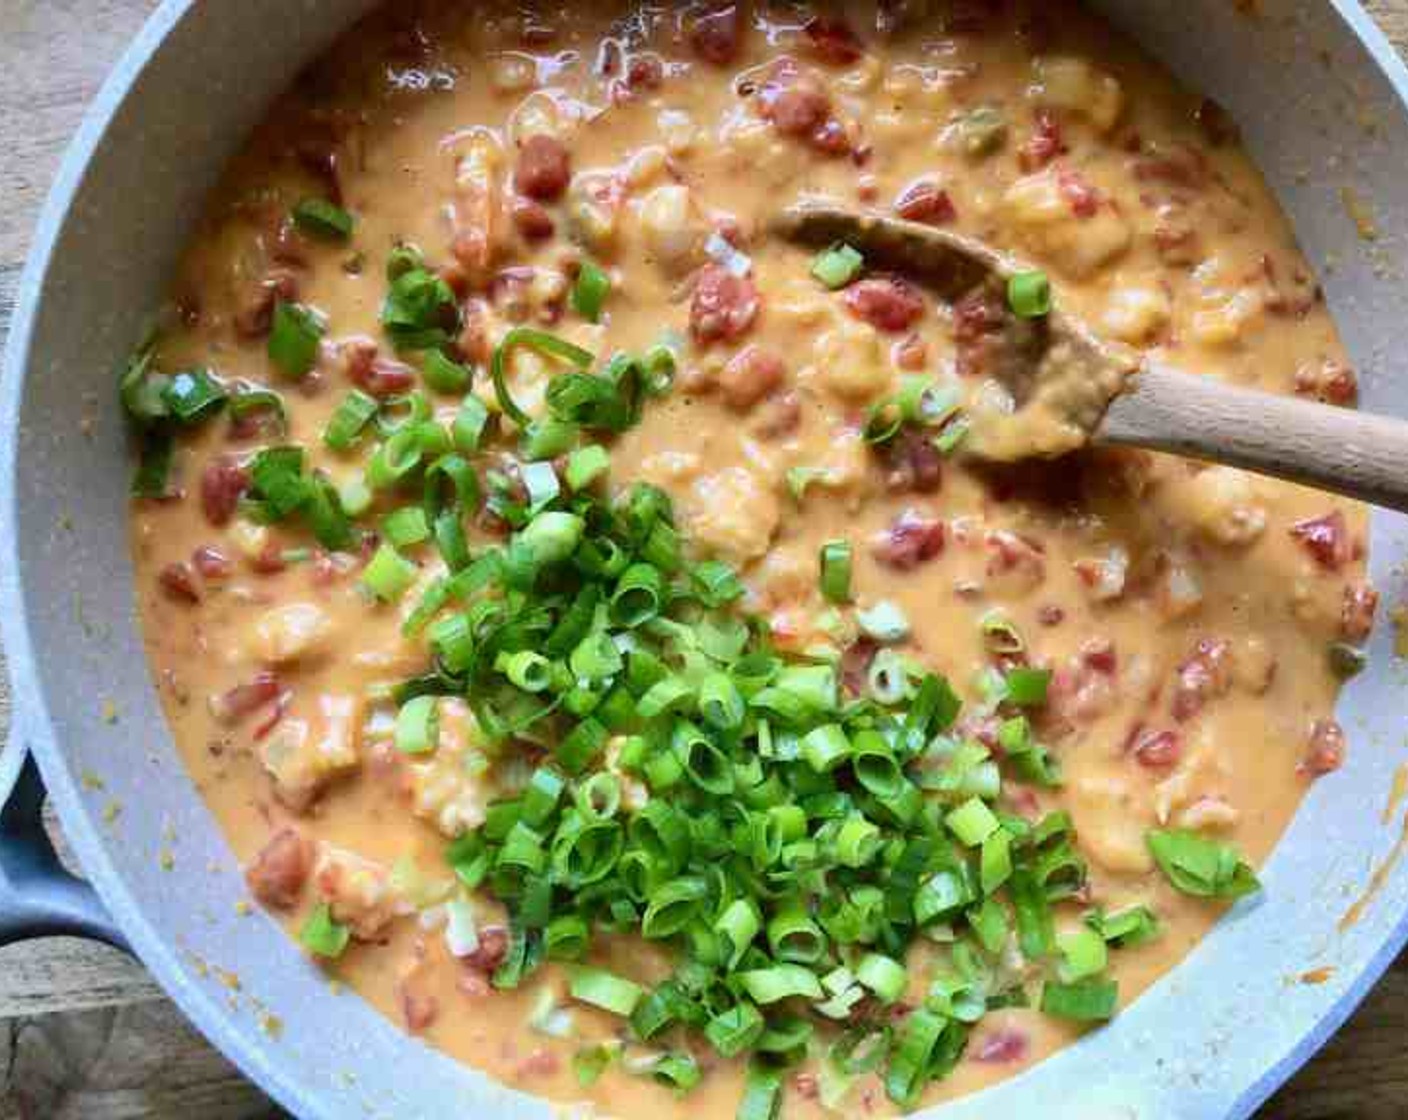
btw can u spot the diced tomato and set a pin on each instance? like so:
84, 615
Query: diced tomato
1357, 611
886, 303
724, 306
976, 316
178, 580
381, 377
279, 872
1154, 748
222, 484
925, 201
532, 220
831, 138
1011, 552
779, 416
751, 375
274, 715
493, 948
912, 540
1099, 654
645, 71
796, 108
1083, 198
913, 463
244, 699
1177, 244
544, 168
1325, 749
320, 159
855, 664
1045, 143
911, 353
256, 315
1001, 1046
1330, 381
418, 1009
1326, 538
717, 35
212, 564
833, 41
540, 1063
807, 1086
1176, 165
1216, 123
1204, 675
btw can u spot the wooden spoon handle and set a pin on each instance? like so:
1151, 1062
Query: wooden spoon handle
1354, 453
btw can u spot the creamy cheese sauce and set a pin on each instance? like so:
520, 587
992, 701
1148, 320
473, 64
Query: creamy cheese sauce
1187, 611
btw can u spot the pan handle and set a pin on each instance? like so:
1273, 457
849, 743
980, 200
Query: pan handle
38, 897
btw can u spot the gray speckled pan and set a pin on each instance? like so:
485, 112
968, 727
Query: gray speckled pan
1321, 98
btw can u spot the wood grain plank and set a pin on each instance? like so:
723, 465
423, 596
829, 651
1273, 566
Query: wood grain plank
84, 1032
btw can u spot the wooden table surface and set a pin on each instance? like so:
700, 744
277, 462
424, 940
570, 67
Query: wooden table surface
84, 1032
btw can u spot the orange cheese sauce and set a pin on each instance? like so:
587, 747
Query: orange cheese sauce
1185, 616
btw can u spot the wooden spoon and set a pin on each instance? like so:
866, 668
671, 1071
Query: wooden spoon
1061, 387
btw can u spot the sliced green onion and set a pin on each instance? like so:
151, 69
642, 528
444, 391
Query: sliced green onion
679, 1072
1000, 634
548, 438
246, 401
419, 312
720, 703
1083, 954
322, 935
972, 822
355, 496
1086, 1001
1126, 928
836, 571
467, 430
405, 527
733, 1031
739, 925
194, 395
151, 479
857, 841
604, 990
526, 669
793, 936
912, 1056
401, 260
637, 597
1027, 687
837, 266
443, 374
590, 291
762, 1093
1199, 866
824, 748
352, 416
884, 622
321, 218
585, 465
544, 343
294, 338
388, 575
417, 725
883, 975
1029, 294
800, 479
781, 981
